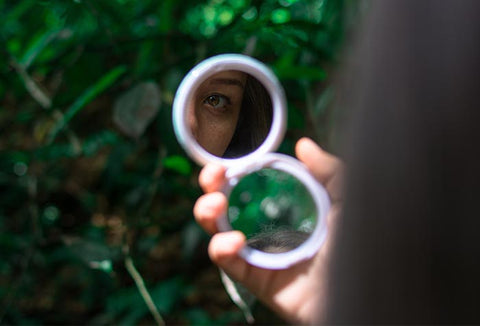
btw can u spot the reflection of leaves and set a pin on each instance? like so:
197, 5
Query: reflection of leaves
277, 199
136, 108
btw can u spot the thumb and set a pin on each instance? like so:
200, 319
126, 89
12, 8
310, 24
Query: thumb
322, 164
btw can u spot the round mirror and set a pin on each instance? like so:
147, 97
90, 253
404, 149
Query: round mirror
279, 207
228, 108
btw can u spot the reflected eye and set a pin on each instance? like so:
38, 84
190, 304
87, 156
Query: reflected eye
217, 101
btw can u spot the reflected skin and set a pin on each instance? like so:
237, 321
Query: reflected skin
213, 113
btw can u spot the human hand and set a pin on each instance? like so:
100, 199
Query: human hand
297, 293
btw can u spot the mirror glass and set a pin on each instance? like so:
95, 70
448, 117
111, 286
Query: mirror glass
230, 114
273, 209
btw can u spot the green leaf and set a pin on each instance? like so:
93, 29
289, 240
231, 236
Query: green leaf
166, 293
135, 109
301, 72
90, 93
95, 142
128, 306
280, 16
90, 252
178, 163
37, 44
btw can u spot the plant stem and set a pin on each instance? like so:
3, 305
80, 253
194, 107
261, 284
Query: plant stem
143, 290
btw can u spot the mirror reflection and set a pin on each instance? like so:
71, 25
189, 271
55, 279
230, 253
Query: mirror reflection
230, 114
273, 209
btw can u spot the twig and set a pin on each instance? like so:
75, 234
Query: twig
31, 86
152, 190
250, 46
126, 248
143, 290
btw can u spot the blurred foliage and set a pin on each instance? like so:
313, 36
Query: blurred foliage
82, 190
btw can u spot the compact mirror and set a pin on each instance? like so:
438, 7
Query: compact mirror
231, 110
228, 109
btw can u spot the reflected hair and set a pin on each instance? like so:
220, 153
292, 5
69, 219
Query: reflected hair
254, 121
278, 241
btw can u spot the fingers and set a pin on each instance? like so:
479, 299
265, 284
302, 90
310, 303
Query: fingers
322, 164
223, 251
325, 167
208, 208
211, 177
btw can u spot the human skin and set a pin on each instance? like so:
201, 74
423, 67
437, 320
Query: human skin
297, 293
215, 108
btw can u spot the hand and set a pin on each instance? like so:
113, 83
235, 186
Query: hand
297, 293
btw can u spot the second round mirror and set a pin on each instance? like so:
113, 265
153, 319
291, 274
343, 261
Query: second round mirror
273, 209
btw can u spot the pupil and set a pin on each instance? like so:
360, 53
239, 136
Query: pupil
213, 100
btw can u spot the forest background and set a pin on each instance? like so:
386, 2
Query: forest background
96, 194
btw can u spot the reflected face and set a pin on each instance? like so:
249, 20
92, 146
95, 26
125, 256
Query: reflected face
213, 113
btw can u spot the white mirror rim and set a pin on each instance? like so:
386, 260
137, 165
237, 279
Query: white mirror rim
319, 195
199, 74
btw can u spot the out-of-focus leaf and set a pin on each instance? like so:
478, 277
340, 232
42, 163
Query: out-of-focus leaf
90, 93
301, 72
94, 143
128, 306
295, 119
37, 45
103, 265
167, 293
55, 151
191, 237
198, 317
280, 16
90, 252
136, 108
178, 163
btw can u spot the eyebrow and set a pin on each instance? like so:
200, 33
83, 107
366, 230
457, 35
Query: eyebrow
227, 81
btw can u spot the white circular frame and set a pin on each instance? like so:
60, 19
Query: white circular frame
319, 195
199, 74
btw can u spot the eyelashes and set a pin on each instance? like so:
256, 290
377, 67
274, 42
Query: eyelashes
217, 102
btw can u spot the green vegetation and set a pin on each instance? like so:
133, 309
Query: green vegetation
96, 195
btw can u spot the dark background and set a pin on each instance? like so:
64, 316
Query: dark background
92, 192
